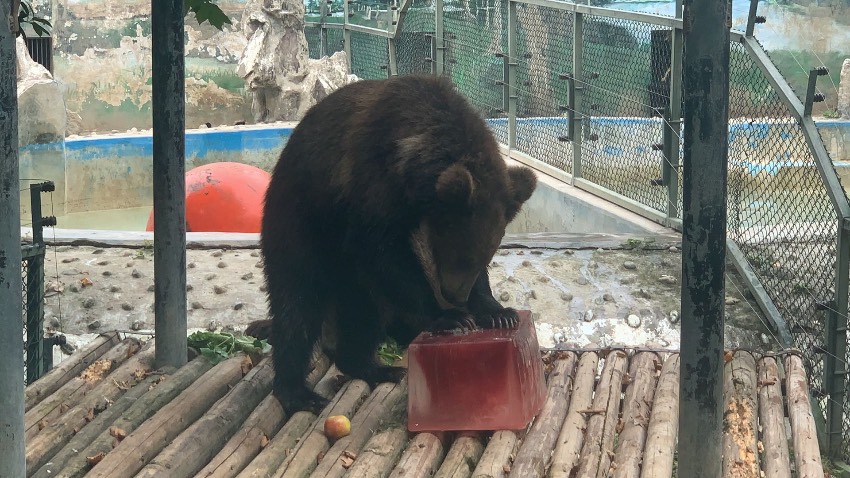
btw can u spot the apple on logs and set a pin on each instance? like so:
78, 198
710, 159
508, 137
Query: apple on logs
337, 426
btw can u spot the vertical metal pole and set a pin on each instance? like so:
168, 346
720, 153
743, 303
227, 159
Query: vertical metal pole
169, 193
751, 17
511, 67
12, 458
392, 57
577, 92
835, 376
706, 92
673, 129
324, 11
439, 38
346, 36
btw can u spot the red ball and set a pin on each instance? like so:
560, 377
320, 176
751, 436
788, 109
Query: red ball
224, 197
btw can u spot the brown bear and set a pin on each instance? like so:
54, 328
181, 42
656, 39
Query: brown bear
384, 210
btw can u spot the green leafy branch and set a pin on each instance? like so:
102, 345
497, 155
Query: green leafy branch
27, 16
219, 346
206, 11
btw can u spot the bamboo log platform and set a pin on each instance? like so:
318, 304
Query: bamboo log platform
609, 413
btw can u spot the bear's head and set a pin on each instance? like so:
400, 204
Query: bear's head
461, 231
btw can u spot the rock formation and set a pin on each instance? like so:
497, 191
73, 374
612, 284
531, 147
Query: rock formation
41, 102
844, 91
276, 65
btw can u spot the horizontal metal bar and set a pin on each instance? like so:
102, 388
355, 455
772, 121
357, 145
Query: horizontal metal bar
765, 303
605, 12
327, 26
368, 30
535, 163
624, 202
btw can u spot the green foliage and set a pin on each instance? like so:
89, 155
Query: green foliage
390, 351
219, 346
206, 11
27, 16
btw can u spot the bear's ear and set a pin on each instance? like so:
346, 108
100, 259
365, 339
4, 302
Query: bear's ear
455, 186
523, 183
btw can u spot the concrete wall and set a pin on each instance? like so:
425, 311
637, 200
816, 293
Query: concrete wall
116, 171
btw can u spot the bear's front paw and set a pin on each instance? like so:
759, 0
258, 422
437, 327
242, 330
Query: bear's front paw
505, 318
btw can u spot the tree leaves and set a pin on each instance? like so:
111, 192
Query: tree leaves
26, 15
206, 11
219, 346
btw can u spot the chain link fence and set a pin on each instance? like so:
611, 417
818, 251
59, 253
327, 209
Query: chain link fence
32, 311
619, 148
544, 58
369, 56
780, 213
475, 44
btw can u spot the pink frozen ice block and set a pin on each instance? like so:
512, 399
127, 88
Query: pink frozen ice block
488, 379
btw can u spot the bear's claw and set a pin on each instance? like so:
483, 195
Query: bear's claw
501, 319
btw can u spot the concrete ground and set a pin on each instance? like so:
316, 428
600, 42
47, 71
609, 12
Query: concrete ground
595, 290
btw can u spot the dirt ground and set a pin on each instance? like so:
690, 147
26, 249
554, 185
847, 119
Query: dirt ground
579, 297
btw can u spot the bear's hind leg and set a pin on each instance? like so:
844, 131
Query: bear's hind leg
292, 349
360, 335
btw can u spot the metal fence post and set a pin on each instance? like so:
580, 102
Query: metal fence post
12, 457
169, 193
392, 52
346, 36
324, 11
35, 284
392, 57
511, 73
439, 39
835, 376
706, 92
577, 93
672, 128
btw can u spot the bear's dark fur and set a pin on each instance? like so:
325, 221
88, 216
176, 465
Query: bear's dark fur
383, 212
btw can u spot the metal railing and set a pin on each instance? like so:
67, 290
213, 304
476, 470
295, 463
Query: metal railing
593, 96
38, 349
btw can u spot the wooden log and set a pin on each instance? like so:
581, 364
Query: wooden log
263, 423
330, 383
197, 445
139, 403
803, 431
495, 462
379, 454
534, 454
463, 456
380, 404
266, 463
51, 439
660, 447
598, 447
149, 438
300, 460
740, 435
422, 456
568, 446
637, 408
70, 367
776, 461
50, 408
